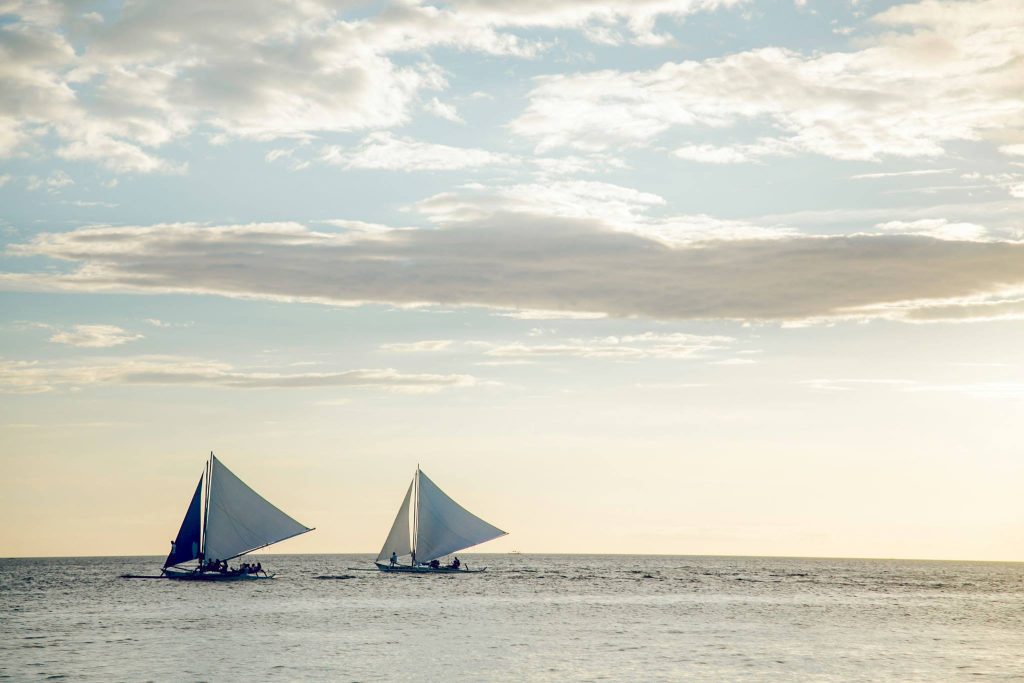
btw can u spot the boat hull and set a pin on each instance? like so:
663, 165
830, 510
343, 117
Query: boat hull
185, 575
406, 569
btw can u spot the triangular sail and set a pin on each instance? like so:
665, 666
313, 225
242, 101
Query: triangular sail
186, 545
444, 526
398, 540
239, 520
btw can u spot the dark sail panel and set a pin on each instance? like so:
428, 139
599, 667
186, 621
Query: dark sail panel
186, 546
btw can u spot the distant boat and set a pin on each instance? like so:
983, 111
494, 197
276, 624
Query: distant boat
429, 526
227, 522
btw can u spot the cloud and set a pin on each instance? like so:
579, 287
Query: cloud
939, 228
418, 347
535, 314
116, 88
984, 390
94, 336
442, 110
57, 180
602, 21
513, 261
156, 72
900, 174
628, 347
35, 377
939, 72
387, 152
625, 208
735, 154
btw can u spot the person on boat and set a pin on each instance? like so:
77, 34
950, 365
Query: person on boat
456, 564
259, 567
435, 564
394, 558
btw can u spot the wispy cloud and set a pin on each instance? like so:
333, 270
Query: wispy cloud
984, 390
34, 377
418, 346
385, 151
900, 174
94, 336
628, 347
443, 110
938, 228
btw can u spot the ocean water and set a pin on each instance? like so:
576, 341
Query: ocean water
529, 617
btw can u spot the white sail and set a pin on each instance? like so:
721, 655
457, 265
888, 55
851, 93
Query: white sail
238, 519
444, 526
398, 541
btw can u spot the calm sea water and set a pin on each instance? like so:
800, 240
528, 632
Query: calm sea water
531, 617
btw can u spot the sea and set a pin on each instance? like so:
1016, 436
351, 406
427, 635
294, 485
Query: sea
527, 618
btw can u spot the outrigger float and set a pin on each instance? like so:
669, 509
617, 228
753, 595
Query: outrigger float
225, 520
429, 526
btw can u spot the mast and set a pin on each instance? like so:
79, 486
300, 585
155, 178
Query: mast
415, 512
206, 502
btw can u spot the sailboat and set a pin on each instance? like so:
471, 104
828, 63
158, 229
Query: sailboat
229, 521
429, 526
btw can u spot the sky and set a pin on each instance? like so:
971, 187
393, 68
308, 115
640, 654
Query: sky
662, 276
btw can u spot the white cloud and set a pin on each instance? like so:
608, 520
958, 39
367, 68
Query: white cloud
554, 168
986, 390
442, 110
426, 345
628, 347
529, 261
938, 228
34, 377
534, 314
900, 174
625, 208
385, 151
57, 180
116, 88
94, 336
602, 21
948, 71
735, 154
823, 384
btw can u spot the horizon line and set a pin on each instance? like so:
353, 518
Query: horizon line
772, 557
